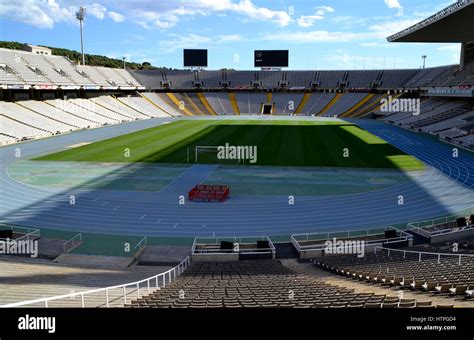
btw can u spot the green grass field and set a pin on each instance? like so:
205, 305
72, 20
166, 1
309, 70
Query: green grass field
279, 143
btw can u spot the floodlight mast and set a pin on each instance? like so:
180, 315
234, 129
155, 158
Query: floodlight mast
424, 60
80, 16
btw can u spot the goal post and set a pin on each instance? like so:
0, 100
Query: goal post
201, 151
204, 149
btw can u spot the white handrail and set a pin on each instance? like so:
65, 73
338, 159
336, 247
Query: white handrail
72, 241
447, 219
347, 232
295, 244
420, 253
451, 230
141, 244
175, 272
270, 249
27, 233
366, 242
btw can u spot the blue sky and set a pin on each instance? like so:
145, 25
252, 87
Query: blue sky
320, 34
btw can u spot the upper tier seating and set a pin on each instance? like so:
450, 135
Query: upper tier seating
428, 76
20, 67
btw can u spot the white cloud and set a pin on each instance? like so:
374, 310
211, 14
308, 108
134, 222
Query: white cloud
343, 60
46, 13
313, 37
39, 13
167, 15
96, 10
372, 35
342, 19
165, 20
116, 17
325, 9
163, 24
378, 45
387, 28
248, 9
394, 4
451, 48
309, 20
454, 50
193, 40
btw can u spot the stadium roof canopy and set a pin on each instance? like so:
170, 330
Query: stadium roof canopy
453, 24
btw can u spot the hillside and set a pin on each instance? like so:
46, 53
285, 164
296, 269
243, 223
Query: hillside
93, 60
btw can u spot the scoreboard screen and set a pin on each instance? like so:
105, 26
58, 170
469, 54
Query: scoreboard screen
195, 58
271, 58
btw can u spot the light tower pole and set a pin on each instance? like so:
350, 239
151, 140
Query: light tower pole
424, 60
80, 16
124, 60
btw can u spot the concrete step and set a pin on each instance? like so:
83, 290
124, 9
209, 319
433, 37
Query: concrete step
22, 280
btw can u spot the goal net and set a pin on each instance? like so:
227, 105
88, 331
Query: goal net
209, 154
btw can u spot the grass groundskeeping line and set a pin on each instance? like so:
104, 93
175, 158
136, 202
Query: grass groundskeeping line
278, 143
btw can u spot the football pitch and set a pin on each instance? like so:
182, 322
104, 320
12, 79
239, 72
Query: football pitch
277, 143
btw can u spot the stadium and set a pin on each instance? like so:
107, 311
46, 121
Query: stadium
200, 188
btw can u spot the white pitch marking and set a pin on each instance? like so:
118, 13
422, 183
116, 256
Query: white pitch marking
158, 221
175, 225
116, 207
142, 217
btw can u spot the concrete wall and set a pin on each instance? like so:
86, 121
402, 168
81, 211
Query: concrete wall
452, 236
219, 257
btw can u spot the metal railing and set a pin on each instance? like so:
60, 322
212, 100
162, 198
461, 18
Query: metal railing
451, 230
240, 240
432, 222
340, 234
151, 283
421, 227
28, 233
72, 243
422, 253
297, 239
140, 245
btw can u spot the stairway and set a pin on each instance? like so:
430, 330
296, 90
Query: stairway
286, 251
